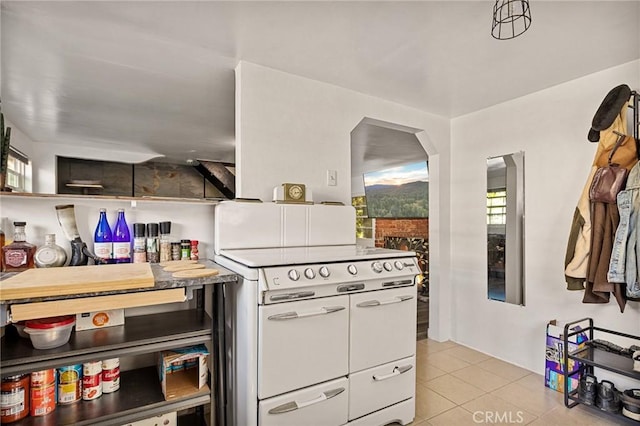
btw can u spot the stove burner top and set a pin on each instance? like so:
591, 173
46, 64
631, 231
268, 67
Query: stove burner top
265, 257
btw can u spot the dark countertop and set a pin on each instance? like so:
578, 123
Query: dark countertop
163, 280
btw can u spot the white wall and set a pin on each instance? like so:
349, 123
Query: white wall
551, 128
293, 129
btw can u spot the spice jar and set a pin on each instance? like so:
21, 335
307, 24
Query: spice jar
153, 253
165, 241
194, 250
139, 243
175, 251
185, 249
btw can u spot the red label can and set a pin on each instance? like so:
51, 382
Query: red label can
110, 375
43, 392
92, 380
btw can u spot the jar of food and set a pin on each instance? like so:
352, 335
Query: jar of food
194, 250
185, 249
14, 398
175, 251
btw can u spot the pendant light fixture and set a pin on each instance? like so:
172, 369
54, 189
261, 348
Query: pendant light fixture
510, 18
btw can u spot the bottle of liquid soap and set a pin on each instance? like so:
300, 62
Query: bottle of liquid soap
121, 240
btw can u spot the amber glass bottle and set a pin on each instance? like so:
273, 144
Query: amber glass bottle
18, 256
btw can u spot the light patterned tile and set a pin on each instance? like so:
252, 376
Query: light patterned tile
429, 403
426, 372
503, 369
467, 354
491, 407
432, 346
535, 402
481, 378
454, 389
562, 416
446, 363
533, 382
455, 417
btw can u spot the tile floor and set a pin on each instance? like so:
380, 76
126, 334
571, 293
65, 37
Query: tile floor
456, 385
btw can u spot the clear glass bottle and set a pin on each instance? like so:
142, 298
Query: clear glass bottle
121, 240
18, 256
139, 243
50, 255
103, 238
165, 241
153, 255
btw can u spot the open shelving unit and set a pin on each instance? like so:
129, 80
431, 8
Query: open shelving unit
140, 395
588, 358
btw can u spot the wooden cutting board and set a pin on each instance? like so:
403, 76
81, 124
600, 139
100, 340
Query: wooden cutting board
43, 282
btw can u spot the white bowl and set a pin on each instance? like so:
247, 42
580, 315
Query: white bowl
51, 337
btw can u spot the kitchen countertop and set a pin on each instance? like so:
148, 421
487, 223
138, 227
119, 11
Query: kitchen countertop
163, 280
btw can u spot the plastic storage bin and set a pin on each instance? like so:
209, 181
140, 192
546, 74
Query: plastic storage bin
47, 333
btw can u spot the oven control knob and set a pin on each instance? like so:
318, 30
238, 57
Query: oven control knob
309, 273
294, 275
387, 266
324, 272
352, 269
377, 267
399, 265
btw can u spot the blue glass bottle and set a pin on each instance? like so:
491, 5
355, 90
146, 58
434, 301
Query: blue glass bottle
103, 238
121, 240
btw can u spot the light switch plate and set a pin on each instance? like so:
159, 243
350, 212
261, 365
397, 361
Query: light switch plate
332, 177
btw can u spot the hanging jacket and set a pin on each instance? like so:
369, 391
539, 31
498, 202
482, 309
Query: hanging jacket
579, 244
624, 266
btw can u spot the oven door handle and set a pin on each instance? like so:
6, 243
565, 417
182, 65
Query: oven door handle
396, 372
373, 303
294, 405
294, 315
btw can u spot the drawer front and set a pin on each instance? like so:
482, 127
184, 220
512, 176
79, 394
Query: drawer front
401, 413
383, 327
324, 404
382, 386
302, 343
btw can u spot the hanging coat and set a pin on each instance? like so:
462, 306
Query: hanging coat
582, 270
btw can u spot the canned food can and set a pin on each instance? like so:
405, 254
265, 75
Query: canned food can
14, 398
70, 384
110, 375
91, 380
43, 392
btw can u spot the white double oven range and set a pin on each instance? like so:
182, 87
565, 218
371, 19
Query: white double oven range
319, 330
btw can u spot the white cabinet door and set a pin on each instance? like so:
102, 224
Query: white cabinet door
381, 386
302, 343
383, 327
320, 405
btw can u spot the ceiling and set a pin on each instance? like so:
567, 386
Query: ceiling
158, 77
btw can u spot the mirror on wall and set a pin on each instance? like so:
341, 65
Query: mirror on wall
505, 228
